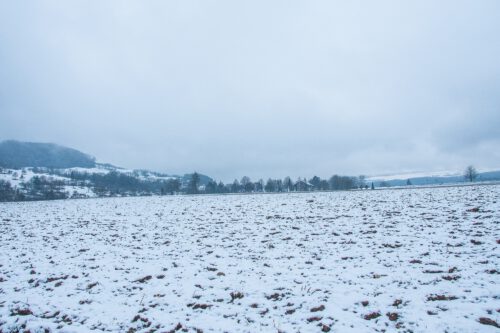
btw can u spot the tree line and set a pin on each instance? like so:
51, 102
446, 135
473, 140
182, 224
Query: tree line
113, 183
246, 185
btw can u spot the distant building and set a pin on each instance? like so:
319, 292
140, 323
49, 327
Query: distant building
301, 185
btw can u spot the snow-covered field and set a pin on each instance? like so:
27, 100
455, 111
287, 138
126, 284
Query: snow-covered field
414, 260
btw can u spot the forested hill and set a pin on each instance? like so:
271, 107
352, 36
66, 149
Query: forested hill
16, 155
38, 171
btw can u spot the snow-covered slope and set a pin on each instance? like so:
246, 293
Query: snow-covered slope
37, 171
80, 182
409, 175
432, 178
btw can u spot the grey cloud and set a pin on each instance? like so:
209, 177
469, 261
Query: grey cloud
256, 88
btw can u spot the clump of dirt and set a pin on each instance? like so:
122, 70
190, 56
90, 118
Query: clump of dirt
21, 312
144, 279
393, 316
318, 308
488, 321
325, 328
397, 302
433, 298
372, 315
235, 295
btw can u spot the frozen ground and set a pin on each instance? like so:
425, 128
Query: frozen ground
415, 260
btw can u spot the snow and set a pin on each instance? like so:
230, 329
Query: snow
95, 170
422, 174
16, 177
254, 263
408, 175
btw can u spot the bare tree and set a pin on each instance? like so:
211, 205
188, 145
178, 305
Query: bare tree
361, 181
247, 184
470, 173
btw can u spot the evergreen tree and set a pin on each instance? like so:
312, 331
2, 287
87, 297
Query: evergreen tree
270, 185
221, 188
315, 181
287, 184
211, 187
235, 187
193, 183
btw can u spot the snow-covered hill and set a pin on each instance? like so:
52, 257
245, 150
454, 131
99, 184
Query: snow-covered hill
431, 178
37, 171
32, 183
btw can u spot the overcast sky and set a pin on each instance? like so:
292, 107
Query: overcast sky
257, 88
